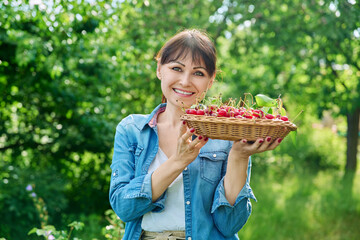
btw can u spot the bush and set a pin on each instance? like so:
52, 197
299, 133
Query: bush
17, 192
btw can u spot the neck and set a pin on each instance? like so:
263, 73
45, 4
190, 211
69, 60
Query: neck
171, 116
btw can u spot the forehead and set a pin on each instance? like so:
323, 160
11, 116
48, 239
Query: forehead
186, 56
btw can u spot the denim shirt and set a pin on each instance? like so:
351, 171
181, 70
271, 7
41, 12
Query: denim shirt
208, 214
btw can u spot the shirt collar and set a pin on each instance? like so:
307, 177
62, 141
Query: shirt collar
151, 120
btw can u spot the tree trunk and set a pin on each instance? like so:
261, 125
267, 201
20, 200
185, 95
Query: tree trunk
352, 139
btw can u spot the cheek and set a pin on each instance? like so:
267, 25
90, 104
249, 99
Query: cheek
203, 86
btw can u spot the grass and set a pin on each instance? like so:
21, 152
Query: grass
304, 206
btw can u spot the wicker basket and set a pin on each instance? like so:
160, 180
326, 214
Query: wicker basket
237, 128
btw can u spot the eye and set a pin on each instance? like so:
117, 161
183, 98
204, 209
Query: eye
199, 73
176, 69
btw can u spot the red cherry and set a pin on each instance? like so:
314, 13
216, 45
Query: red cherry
222, 113
259, 112
213, 107
231, 113
228, 108
269, 116
190, 111
257, 115
200, 112
284, 118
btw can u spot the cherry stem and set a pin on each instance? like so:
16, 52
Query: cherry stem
298, 115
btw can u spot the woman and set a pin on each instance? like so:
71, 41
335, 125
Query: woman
167, 184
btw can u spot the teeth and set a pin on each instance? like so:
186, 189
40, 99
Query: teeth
182, 92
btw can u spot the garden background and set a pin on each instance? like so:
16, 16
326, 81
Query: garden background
70, 70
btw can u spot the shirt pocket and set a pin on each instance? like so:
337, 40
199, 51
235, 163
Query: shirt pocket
211, 164
136, 150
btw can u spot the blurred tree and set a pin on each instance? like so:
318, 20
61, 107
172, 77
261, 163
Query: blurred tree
308, 50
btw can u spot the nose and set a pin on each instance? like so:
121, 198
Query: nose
185, 80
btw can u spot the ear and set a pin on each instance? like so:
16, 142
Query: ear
212, 81
158, 68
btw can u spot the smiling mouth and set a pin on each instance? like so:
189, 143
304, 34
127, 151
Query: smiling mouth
183, 92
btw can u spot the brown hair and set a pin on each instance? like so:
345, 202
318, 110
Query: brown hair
193, 41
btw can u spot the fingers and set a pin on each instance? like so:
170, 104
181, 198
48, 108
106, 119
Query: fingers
188, 133
198, 142
268, 144
251, 146
183, 128
274, 144
260, 145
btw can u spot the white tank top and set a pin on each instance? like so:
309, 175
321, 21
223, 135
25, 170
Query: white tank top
172, 218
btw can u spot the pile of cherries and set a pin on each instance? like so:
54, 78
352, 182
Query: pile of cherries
232, 112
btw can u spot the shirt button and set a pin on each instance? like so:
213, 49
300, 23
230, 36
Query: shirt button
114, 174
189, 238
214, 155
185, 169
188, 202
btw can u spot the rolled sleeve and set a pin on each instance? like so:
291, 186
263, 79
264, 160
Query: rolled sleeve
220, 199
229, 219
134, 199
130, 195
159, 204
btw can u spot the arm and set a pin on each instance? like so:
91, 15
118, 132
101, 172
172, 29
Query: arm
232, 197
130, 195
236, 173
186, 152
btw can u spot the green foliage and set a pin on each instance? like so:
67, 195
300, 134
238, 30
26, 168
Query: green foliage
71, 70
303, 206
291, 46
49, 232
313, 150
28, 197
116, 228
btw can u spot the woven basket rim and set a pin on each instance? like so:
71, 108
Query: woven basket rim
240, 121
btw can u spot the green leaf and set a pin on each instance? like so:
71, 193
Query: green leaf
293, 135
32, 231
41, 232
76, 225
282, 112
266, 110
265, 101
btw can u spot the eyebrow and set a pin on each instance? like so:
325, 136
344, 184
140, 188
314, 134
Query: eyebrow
184, 65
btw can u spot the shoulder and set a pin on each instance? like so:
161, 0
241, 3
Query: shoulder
134, 120
138, 120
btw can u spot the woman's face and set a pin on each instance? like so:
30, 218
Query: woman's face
183, 81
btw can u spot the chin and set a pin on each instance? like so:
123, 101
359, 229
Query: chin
182, 104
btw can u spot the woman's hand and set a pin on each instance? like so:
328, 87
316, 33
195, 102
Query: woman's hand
242, 150
187, 149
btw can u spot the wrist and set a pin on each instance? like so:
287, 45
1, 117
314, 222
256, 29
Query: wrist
177, 163
240, 158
